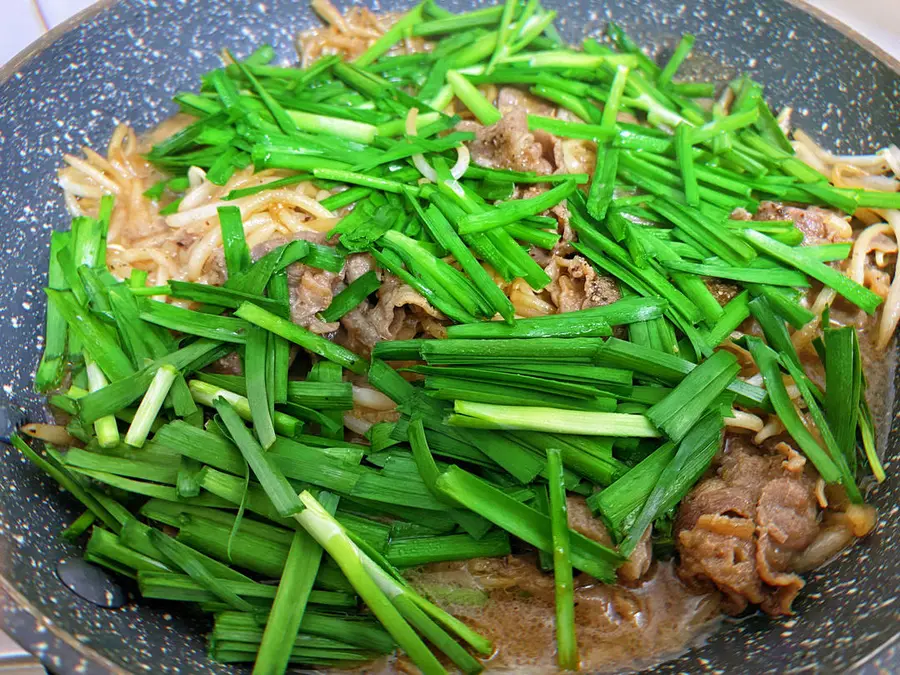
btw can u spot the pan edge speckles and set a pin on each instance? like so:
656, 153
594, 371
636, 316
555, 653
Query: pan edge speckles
123, 62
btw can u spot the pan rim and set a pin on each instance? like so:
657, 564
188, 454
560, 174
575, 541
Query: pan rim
101, 663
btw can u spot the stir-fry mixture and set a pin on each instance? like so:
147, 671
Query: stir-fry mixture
454, 345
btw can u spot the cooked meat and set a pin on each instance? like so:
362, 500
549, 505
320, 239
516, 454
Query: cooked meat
583, 521
810, 221
312, 290
722, 291
576, 285
510, 99
399, 314
742, 528
507, 144
356, 265
228, 365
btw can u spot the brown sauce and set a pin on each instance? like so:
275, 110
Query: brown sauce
511, 601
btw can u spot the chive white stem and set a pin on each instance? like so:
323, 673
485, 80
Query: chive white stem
150, 406
106, 427
205, 393
557, 420
331, 536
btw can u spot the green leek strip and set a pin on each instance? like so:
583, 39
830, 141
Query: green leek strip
188, 481
50, 369
216, 295
118, 395
767, 361
301, 336
691, 460
624, 311
778, 338
603, 184
867, 435
860, 296
438, 274
425, 550
570, 102
328, 374
736, 312
614, 99
474, 100
356, 631
674, 63
136, 535
515, 210
682, 408
105, 545
224, 328
105, 427
335, 126
555, 420
690, 285
94, 336
843, 388
571, 350
815, 412
237, 253
364, 180
446, 236
332, 537
281, 349
619, 503
205, 394
566, 643
283, 496
150, 406
182, 558
684, 154
255, 358
289, 606
428, 470
525, 522
70, 483
507, 176
667, 368
772, 277
542, 504
79, 526
539, 382
452, 388
404, 26
563, 326
783, 305
350, 297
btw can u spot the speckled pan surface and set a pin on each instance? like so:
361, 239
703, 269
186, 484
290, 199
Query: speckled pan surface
124, 64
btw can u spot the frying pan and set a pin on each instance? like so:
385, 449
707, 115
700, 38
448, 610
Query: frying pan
123, 62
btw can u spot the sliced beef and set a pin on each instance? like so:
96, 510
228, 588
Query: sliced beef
507, 144
583, 521
810, 221
741, 529
400, 313
576, 285
722, 291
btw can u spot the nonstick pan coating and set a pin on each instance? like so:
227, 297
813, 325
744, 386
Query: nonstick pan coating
124, 61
